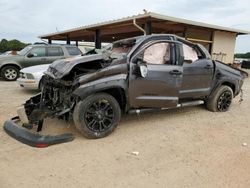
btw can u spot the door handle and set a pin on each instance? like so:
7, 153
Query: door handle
175, 72
207, 67
43, 59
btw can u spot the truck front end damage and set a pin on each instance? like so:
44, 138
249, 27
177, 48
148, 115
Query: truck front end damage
54, 102
57, 99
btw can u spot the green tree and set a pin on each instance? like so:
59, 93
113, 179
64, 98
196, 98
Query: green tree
3, 45
244, 56
15, 45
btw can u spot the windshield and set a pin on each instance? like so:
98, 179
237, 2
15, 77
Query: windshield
24, 51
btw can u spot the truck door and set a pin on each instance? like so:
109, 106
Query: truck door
197, 73
155, 77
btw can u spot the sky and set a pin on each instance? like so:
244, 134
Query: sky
26, 19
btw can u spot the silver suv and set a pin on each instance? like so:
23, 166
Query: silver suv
34, 55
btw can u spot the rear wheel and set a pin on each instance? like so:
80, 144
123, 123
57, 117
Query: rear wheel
97, 116
10, 73
220, 100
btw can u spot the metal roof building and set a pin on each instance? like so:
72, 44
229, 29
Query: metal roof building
220, 41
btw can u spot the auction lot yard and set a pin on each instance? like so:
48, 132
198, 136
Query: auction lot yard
188, 147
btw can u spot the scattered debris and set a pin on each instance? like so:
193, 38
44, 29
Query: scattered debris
244, 144
136, 153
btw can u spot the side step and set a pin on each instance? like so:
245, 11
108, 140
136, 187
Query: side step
184, 104
191, 103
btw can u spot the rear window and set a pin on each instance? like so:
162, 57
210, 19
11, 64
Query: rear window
73, 51
55, 51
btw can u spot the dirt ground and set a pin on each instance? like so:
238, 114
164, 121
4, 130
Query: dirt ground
189, 147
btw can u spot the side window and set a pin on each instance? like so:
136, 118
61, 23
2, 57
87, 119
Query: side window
190, 53
73, 51
55, 51
158, 53
38, 52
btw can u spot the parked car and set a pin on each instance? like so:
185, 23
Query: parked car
245, 64
30, 77
34, 55
132, 75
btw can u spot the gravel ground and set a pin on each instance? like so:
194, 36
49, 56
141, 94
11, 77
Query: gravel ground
189, 147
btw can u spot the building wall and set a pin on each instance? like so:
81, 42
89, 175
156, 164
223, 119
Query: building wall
223, 46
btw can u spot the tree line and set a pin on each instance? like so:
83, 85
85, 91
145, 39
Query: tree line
243, 56
14, 45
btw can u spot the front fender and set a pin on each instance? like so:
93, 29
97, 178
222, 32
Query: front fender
2, 64
116, 81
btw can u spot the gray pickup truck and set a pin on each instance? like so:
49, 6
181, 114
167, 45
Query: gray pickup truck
32, 55
131, 75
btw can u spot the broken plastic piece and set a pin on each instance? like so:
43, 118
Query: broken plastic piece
34, 139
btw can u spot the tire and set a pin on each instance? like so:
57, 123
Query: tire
97, 116
9, 73
220, 100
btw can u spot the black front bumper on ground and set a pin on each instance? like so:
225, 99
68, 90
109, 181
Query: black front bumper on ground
34, 139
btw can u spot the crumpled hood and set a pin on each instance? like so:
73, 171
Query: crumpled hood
62, 67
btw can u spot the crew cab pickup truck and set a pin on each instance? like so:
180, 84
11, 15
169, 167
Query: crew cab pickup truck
131, 75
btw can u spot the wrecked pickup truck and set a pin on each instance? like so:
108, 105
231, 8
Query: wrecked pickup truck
131, 75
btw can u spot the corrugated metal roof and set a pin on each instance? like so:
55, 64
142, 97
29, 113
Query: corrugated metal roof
152, 15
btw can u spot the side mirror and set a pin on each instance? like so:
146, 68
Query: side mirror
30, 55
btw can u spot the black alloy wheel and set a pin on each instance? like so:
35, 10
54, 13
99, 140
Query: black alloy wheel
220, 100
97, 115
224, 101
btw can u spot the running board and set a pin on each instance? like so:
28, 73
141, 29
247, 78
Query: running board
191, 103
184, 104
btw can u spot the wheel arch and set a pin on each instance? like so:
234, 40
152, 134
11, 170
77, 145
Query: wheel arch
226, 82
229, 84
116, 88
10, 64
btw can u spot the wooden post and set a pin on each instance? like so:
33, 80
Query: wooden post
148, 27
76, 42
68, 40
98, 43
49, 41
185, 33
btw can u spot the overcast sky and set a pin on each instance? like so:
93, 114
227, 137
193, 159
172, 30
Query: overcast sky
27, 19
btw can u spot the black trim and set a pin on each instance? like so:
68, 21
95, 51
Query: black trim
33, 139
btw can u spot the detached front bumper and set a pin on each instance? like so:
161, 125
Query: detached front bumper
34, 139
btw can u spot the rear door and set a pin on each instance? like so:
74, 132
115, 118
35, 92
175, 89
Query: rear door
197, 73
158, 86
54, 53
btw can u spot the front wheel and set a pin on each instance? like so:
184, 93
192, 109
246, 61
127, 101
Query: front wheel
9, 73
97, 116
220, 100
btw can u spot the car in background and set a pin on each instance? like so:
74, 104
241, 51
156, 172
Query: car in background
34, 55
31, 77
